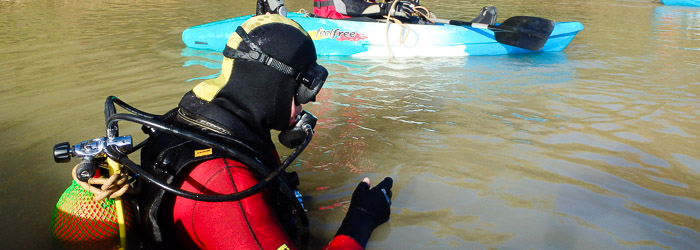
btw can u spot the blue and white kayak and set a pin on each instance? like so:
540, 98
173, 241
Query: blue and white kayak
692, 3
333, 37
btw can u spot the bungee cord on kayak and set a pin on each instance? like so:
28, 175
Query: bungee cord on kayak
405, 29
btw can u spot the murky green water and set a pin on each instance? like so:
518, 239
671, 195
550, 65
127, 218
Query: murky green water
595, 147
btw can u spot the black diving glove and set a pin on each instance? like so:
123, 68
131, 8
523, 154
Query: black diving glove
369, 208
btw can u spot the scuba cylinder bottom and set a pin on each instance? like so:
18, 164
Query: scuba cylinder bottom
80, 222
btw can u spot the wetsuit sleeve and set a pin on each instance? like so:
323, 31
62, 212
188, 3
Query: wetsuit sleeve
343, 242
250, 223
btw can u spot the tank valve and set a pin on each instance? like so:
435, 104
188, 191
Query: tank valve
63, 151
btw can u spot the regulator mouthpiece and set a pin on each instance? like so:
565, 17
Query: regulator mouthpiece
302, 129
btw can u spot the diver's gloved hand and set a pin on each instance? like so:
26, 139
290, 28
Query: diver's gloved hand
403, 8
369, 208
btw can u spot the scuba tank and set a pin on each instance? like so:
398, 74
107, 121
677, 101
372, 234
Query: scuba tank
82, 219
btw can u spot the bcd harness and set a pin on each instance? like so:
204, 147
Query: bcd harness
165, 156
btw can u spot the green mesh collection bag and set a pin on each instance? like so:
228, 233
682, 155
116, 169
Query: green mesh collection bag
79, 222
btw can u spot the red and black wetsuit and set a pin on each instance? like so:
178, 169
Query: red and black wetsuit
246, 224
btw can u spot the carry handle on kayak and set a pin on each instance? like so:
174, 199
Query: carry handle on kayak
525, 32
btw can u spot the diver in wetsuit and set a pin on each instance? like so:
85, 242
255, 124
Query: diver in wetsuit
269, 70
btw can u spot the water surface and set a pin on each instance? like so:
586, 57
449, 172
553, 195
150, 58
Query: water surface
592, 147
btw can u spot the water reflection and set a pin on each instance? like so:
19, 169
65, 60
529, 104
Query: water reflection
432, 108
557, 156
677, 26
204, 58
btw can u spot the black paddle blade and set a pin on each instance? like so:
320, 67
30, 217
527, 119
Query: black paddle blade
527, 32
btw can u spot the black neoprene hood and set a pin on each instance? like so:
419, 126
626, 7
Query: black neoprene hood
258, 93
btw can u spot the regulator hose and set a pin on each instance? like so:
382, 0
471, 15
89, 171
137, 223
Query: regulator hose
114, 153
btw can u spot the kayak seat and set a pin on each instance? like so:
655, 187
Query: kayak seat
357, 18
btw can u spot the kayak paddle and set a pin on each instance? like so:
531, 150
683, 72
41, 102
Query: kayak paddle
519, 31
